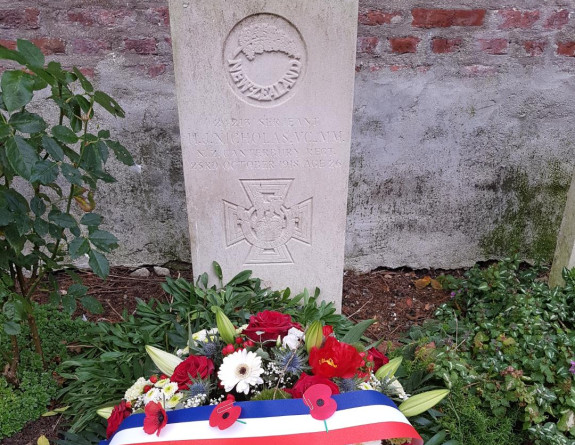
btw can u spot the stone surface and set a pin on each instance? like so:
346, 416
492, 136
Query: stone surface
142, 272
161, 271
265, 125
565, 250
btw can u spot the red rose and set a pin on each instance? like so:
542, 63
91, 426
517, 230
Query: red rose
119, 413
305, 381
335, 359
379, 359
267, 325
194, 367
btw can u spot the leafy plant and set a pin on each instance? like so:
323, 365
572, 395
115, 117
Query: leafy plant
506, 340
47, 164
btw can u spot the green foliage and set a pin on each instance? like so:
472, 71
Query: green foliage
48, 163
507, 340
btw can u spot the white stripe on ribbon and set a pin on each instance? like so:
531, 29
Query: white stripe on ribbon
264, 426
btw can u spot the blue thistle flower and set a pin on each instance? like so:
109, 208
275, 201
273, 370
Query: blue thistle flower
347, 385
291, 361
198, 387
209, 348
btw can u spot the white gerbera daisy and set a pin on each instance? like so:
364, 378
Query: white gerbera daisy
242, 368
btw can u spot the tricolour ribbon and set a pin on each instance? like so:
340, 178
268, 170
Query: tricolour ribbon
361, 416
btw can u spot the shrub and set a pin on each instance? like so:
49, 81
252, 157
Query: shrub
506, 339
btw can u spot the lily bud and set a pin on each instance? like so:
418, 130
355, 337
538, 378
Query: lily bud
420, 403
165, 361
389, 369
225, 327
314, 335
105, 412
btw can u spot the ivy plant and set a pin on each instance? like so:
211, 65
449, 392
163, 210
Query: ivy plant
50, 167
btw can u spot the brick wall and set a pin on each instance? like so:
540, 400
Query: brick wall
473, 37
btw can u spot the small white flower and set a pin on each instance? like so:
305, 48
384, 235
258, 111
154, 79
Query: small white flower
161, 383
204, 334
241, 370
169, 389
241, 329
293, 339
365, 386
136, 389
398, 390
153, 395
173, 401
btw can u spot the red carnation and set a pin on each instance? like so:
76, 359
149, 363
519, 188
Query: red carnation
193, 367
119, 413
156, 418
335, 359
305, 381
268, 325
379, 359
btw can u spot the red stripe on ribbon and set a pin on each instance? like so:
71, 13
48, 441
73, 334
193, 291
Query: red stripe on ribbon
344, 436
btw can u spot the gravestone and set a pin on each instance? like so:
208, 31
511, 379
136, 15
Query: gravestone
265, 96
565, 249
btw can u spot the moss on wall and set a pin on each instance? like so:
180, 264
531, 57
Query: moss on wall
530, 223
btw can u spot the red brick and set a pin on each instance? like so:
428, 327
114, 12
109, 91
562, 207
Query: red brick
566, 49
141, 46
557, 20
50, 45
404, 45
10, 44
156, 70
494, 46
27, 18
444, 18
512, 18
90, 46
534, 48
374, 17
101, 17
367, 45
88, 72
440, 45
159, 16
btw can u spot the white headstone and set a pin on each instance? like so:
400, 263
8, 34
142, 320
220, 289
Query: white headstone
565, 249
265, 96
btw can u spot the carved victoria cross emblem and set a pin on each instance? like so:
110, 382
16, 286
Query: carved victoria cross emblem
268, 224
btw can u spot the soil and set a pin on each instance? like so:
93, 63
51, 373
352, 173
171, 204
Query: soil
397, 298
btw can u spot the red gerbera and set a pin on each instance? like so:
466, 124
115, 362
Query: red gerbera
156, 418
335, 359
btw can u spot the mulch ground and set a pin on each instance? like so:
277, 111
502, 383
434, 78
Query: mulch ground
397, 298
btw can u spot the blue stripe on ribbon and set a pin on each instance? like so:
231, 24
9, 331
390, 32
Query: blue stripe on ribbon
265, 408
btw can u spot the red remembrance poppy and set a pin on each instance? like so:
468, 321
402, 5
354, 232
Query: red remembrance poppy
225, 413
156, 418
318, 398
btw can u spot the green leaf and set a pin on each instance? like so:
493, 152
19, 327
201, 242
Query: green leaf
355, 333
6, 217
10, 54
77, 290
21, 156
103, 149
92, 305
109, 104
27, 122
44, 172
437, 439
69, 303
64, 134
104, 134
103, 240
91, 220
83, 81
38, 206
121, 153
99, 264
11, 328
72, 174
78, 247
17, 89
217, 270
31, 53
52, 148
64, 220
